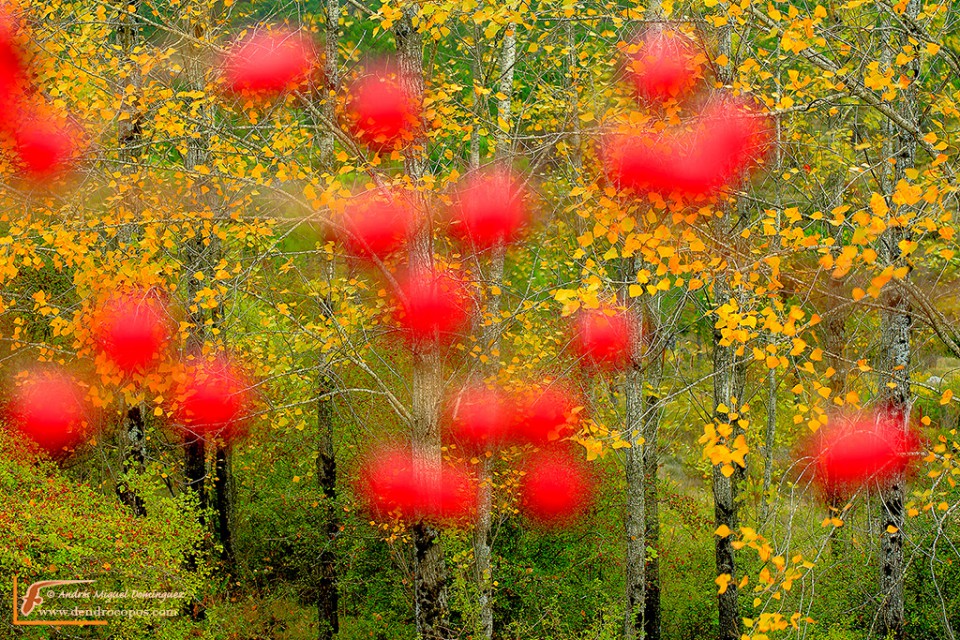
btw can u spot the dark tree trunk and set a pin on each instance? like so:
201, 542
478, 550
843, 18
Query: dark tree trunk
223, 506
729, 378
129, 139
728, 385
202, 252
328, 596
195, 473
133, 459
328, 591
652, 619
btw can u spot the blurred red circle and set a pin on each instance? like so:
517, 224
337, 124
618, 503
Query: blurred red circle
666, 66
849, 453
380, 112
432, 306
377, 224
729, 138
604, 338
556, 488
396, 482
214, 399
269, 63
544, 414
44, 148
132, 329
13, 72
49, 407
480, 417
489, 207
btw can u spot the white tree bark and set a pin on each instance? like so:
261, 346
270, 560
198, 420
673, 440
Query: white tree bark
894, 359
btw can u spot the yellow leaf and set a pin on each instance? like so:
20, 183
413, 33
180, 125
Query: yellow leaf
907, 193
635, 290
878, 204
933, 48
723, 531
593, 447
723, 581
892, 529
946, 397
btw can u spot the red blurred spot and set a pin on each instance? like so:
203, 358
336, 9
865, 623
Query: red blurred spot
381, 113
545, 413
556, 488
132, 330
730, 136
377, 224
49, 408
432, 306
604, 337
388, 484
395, 482
44, 148
642, 161
850, 453
489, 208
269, 63
13, 72
214, 398
480, 417
666, 66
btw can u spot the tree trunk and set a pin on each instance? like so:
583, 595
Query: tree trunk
490, 344
328, 591
328, 596
202, 252
332, 80
133, 459
656, 342
479, 108
729, 379
635, 518
483, 552
728, 385
129, 138
770, 432
223, 506
130, 122
430, 571
894, 357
